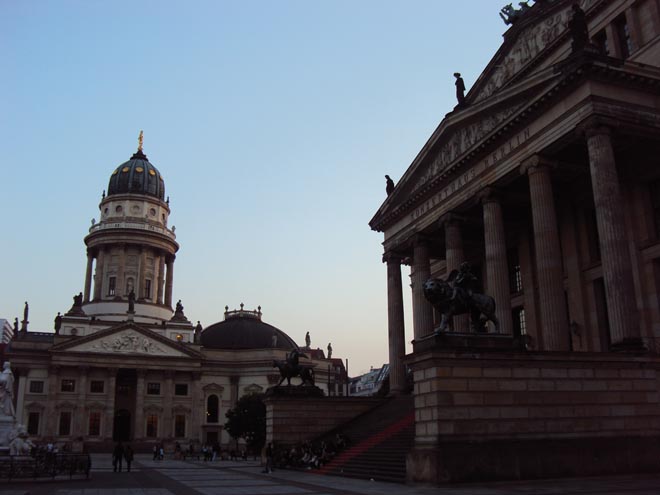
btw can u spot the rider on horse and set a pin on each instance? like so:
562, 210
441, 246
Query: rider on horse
465, 284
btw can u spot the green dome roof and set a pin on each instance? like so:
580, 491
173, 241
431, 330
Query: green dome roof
137, 176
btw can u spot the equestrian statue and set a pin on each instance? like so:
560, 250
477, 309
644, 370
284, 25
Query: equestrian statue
458, 295
291, 367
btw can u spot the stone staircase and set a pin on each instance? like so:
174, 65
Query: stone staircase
379, 441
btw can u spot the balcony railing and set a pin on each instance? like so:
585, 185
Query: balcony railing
132, 226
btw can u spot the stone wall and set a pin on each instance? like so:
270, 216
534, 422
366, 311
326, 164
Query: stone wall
507, 415
290, 420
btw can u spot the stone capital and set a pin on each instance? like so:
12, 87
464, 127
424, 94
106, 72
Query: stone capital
451, 218
489, 195
596, 125
420, 240
393, 257
536, 163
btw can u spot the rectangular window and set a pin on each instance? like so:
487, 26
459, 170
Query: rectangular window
152, 426
33, 423
519, 324
181, 389
153, 388
147, 289
96, 386
623, 35
65, 423
36, 387
94, 423
515, 275
112, 286
180, 425
68, 385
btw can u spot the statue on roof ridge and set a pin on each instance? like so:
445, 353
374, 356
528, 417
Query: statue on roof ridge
510, 14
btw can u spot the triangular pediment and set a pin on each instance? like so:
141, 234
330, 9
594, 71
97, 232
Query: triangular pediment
126, 339
459, 137
535, 41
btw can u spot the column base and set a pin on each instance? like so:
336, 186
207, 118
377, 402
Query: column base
629, 344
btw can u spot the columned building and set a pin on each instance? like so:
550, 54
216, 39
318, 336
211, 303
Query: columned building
546, 181
124, 362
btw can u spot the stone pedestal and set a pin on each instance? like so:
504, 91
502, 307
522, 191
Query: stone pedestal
7, 426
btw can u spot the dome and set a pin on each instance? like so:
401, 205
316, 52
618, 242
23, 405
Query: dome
244, 329
137, 176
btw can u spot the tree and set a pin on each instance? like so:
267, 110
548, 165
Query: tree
247, 420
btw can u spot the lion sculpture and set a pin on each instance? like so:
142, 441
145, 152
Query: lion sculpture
451, 300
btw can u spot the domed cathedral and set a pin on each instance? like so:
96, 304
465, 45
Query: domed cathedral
126, 364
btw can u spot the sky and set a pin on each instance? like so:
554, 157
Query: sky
273, 124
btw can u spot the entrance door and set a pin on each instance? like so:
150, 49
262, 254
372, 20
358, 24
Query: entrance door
122, 426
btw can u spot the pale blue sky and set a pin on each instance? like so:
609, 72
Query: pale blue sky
272, 122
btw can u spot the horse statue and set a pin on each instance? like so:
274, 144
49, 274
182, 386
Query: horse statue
291, 368
456, 296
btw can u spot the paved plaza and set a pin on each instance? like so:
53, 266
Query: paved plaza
174, 477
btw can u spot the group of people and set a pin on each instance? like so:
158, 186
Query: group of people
306, 455
119, 454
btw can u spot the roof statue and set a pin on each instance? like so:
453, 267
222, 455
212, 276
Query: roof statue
329, 350
140, 140
460, 89
131, 301
76, 308
58, 323
24, 323
578, 28
308, 340
389, 185
510, 14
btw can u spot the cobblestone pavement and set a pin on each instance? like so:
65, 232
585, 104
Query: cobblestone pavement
173, 477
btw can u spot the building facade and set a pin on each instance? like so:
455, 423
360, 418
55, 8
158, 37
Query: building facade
545, 180
124, 362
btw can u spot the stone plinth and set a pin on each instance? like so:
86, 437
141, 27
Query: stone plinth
490, 414
469, 342
291, 420
7, 426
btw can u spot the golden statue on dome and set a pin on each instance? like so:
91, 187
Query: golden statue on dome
140, 140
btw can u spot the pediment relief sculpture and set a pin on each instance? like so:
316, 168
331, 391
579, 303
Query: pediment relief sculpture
35, 406
66, 405
127, 342
530, 42
213, 387
253, 389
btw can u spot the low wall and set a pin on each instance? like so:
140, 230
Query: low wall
290, 420
512, 415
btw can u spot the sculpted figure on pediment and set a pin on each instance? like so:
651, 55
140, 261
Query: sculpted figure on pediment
127, 342
463, 139
529, 44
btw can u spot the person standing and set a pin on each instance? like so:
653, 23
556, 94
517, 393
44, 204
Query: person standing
128, 455
117, 457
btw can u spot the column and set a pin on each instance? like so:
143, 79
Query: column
169, 281
395, 324
139, 426
79, 427
109, 423
454, 256
616, 264
161, 272
139, 290
168, 429
98, 277
422, 309
198, 409
497, 271
88, 275
121, 282
20, 396
549, 270
50, 416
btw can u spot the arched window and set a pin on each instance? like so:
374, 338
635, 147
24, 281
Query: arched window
212, 409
